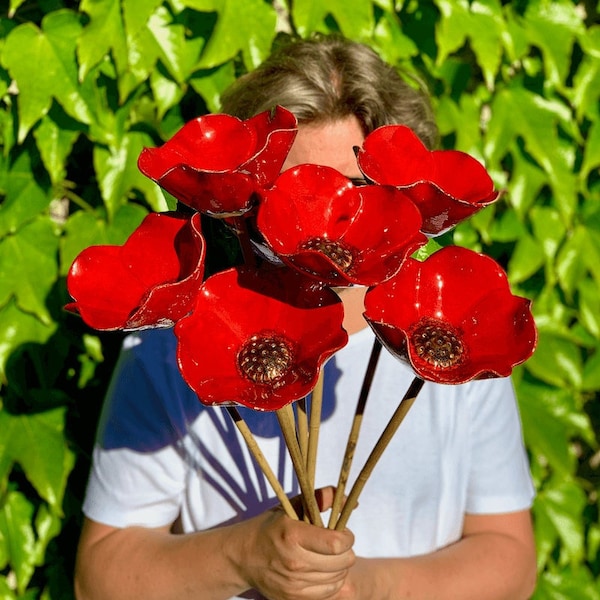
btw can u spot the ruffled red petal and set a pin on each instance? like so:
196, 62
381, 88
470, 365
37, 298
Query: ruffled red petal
149, 281
317, 221
465, 294
302, 319
448, 186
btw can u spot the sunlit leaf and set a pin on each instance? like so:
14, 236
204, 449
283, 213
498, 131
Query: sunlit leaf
178, 54
354, 17
55, 144
25, 195
247, 26
557, 361
527, 257
28, 267
52, 50
554, 26
103, 35
211, 84
48, 467
16, 512
118, 174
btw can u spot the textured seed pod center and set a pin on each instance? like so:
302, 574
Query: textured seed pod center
335, 251
437, 343
265, 359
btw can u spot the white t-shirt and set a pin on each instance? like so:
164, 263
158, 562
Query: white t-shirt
160, 454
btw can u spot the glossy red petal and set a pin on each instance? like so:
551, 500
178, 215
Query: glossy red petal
211, 143
275, 134
215, 194
110, 283
448, 186
216, 163
460, 300
295, 319
164, 304
317, 221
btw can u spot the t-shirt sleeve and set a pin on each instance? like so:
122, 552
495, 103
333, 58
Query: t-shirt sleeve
499, 477
138, 469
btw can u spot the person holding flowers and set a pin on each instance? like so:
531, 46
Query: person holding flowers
330, 215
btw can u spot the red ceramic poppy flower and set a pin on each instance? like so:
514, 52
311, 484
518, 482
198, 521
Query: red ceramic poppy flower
150, 281
447, 185
453, 317
318, 222
216, 163
258, 337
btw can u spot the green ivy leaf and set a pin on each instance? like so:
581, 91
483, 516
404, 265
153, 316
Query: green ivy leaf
570, 268
48, 467
548, 229
55, 142
507, 227
178, 53
118, 175
586, 82
28, 267
591, 372
390, 42
52, 50
211, 84
15, 526
589, 312
463, 120
567, 584
557, 361
103, 35
242, 25
554, 26
547, 435
525, 183
17, 328
354, 17
167, 93
25, 196
462, 20
516, 113
527, 257
591, 158
563, 504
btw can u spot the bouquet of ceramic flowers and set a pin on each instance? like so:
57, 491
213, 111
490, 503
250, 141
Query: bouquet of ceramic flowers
272, 324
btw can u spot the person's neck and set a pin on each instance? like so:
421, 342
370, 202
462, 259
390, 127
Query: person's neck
353, 301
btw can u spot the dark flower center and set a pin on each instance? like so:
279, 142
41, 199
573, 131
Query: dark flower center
265, 358
335, 251
437, 343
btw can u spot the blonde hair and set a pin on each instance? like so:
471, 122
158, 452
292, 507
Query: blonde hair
329, 77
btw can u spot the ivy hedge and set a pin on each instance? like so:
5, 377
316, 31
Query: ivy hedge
85, 85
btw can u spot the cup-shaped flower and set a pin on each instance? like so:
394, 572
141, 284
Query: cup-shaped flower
150, 281
258, 337
216, 163
318, 222
448, 186
452, 317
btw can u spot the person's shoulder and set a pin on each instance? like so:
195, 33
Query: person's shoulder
148, 404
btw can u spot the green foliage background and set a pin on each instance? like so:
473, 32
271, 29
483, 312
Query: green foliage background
85, 85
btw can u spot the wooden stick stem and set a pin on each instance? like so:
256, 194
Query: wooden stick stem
353, 436
262, 462
285, 416
316, 404
380, 446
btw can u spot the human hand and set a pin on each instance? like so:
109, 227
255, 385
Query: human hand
292, 560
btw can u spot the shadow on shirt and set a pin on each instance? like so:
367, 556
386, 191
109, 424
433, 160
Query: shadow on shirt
149, 407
